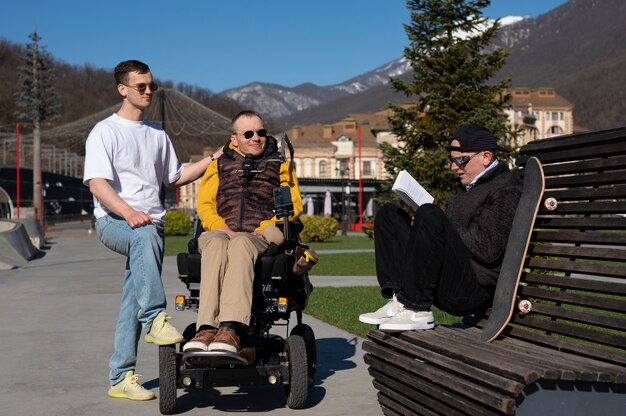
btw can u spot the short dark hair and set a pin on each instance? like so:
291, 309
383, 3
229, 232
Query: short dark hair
123, 68
244, 113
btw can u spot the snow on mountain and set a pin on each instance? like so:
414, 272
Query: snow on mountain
278, 101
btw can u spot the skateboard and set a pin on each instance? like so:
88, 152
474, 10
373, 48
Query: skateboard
244, 357
513, 262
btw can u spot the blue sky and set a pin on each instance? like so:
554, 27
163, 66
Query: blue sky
220, 44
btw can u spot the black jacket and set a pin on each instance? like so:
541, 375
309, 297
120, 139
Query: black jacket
483, 217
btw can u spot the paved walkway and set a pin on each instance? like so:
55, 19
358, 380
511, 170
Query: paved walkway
57, 318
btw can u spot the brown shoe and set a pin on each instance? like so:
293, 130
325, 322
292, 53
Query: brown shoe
201, 341
225, 340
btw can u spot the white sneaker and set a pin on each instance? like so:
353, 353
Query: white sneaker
408, 320
383, 313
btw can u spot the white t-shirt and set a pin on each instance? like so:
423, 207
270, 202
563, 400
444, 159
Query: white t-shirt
136, 157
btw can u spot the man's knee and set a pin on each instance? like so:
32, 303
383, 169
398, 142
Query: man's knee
212, 241
429, 216
242, 243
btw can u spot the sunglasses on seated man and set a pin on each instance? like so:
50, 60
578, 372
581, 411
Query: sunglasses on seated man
141, 87
250, 133
461, 161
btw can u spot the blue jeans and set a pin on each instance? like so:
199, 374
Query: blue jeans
143, 296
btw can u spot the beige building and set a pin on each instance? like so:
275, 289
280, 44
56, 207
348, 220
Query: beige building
541, 113
348, 148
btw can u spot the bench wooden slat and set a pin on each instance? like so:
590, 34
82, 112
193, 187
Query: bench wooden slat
443, 378
592, 194
585, 166
580, 283
564, 154
578, 332
422, 391
614, 223
447, 359
562, 344
548, 369
590, 318
590, 208
569, 369
553, 144
595, 269
398, 402
575, 298
590, 179
578, 252
579, 237
602, 371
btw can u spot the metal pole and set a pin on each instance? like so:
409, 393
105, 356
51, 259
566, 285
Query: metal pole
17, 168
360, 181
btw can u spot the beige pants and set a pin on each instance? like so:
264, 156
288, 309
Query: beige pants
228, 273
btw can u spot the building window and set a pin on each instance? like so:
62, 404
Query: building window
555, 131
367, 168
323, 169
307, 168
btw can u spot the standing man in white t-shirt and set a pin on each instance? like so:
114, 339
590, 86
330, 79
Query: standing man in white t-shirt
126, 162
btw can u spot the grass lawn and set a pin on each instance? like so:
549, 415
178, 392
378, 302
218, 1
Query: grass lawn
341, 307
345, 264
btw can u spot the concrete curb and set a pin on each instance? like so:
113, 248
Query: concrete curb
16, 248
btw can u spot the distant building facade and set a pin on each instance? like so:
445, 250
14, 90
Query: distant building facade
341, 156
541, 113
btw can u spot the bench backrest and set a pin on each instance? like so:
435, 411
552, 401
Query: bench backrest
575, 272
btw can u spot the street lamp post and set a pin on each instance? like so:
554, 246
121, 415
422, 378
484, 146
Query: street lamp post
345, 194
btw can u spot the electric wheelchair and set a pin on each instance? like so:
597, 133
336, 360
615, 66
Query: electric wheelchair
270, 359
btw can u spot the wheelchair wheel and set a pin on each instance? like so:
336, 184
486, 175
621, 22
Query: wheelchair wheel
297, 389
307, 334
167, 379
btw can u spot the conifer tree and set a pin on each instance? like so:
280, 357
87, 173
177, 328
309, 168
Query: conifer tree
37, 102
453, 69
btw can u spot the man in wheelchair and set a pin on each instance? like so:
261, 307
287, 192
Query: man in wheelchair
236, 210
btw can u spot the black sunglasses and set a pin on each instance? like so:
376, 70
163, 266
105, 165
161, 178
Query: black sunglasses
461, 161
250, 133
141, 87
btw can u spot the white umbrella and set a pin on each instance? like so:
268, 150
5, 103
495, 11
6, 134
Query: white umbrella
328, 204
310, 209
369, 208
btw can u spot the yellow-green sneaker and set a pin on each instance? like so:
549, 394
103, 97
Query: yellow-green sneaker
162, 332
130, 389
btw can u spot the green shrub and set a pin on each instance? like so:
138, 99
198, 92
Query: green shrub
368, 227
318, 228
177, 223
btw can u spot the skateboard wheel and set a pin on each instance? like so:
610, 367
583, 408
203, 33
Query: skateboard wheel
525, 306
550, 204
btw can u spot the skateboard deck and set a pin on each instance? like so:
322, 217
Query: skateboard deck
244, 357
513, 262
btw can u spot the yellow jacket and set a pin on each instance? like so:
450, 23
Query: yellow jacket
209, 185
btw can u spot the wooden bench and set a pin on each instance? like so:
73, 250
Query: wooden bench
567, 356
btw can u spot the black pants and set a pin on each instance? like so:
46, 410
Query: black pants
425, 263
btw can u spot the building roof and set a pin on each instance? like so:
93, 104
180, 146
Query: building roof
540, 98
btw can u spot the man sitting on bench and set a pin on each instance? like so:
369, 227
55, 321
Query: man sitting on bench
235, 205
452, 259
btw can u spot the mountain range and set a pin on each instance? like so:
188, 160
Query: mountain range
578, 48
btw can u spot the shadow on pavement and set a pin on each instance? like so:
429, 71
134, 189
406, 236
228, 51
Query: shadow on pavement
333, 355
